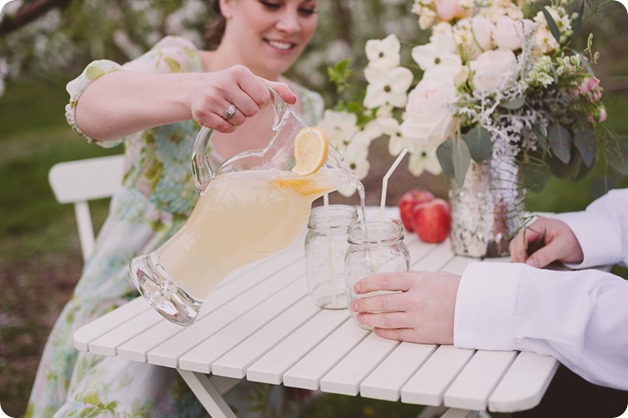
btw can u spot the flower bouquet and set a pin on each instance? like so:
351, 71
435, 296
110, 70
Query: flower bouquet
500, 100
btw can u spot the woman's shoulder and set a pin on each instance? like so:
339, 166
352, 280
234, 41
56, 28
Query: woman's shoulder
171, 54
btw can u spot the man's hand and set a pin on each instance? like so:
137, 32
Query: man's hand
545, 241
421, 311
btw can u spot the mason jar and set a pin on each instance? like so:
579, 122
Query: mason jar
325, 248
374, 247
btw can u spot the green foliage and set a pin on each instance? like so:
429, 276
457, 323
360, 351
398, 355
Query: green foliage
478, 140
339, 75
551, 23
454, 158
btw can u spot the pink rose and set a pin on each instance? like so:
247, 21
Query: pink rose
588, 84
602, 116
449, 9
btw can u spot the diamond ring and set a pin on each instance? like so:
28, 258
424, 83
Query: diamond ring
229, 112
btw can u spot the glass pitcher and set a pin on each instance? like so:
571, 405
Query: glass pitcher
250, 207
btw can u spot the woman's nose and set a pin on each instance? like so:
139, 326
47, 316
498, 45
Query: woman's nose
289, 22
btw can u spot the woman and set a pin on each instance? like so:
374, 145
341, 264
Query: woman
152, 105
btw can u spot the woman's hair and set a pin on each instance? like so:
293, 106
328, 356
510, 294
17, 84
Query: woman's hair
216, 27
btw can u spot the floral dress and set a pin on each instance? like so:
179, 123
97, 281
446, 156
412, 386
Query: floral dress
157, 196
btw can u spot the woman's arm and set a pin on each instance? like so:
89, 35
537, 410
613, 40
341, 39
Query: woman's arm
124, 102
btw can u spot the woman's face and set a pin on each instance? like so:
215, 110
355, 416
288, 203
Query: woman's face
268, 35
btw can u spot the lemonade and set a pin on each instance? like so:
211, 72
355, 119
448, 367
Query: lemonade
242, 216
253, 205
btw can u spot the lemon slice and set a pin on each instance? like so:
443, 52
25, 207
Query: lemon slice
310, 151
305, 187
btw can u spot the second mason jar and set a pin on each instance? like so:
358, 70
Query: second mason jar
374, 247
325, 248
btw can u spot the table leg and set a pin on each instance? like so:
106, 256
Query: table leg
207, 394
460, 413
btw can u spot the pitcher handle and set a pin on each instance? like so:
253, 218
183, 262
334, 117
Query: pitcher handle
201, 168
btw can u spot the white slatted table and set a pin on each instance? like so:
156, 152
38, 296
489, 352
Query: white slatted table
260, 324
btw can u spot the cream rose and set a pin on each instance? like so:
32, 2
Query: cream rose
493, 70
509, 33
429, 119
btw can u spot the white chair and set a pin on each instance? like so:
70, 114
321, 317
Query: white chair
80, 181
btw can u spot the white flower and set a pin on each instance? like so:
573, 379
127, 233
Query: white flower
424, 160
493, 70
482, 28
426, 18
438, 56
544, 40
391, 127
356, 158
509, 33
340, 128
368, 133
429, 119
473, 35
383, 53
387, 87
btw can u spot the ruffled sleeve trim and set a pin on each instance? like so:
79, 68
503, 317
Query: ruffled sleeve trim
76, 87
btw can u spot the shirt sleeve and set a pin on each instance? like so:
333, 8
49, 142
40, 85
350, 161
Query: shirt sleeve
578, 317
170, 55
601, 230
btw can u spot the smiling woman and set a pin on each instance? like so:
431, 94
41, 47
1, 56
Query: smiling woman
153, 106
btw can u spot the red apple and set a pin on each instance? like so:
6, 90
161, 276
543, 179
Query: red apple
408, 202
432, 220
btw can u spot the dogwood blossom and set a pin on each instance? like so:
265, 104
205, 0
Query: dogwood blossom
387, 87
383, 54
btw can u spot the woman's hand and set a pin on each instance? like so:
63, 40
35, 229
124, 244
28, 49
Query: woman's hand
545, 241
216, 92
125, 102
421, 311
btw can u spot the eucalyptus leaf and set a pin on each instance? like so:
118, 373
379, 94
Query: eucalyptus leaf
578, 22
551, 23
558, 168
540, 137
575, 165
514, 104
479, 143
584, 139
560, 142
461, 159
445, 153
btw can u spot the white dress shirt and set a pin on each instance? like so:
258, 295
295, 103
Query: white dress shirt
578, 317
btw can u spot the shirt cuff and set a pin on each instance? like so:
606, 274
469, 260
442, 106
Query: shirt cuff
485, 306
598, 239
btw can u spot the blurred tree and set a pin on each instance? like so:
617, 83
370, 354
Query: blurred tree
43, 39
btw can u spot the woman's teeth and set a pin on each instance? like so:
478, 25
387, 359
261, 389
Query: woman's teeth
280, 45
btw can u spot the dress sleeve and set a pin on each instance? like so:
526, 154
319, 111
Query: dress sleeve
577, 317
170, 55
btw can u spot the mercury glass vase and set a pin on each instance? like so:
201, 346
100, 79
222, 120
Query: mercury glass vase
487, 209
